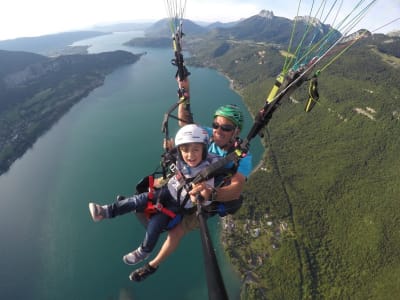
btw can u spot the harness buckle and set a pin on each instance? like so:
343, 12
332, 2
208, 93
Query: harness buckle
158, 206
173, 168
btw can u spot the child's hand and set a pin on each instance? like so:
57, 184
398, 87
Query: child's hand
201, 188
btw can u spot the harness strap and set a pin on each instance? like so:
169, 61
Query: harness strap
152, 208
151, 187
186, 198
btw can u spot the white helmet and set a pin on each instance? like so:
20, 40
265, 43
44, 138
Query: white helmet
191, 134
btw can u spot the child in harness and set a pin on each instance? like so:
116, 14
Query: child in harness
170, 199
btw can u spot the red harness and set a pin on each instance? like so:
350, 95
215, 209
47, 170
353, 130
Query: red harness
151, 208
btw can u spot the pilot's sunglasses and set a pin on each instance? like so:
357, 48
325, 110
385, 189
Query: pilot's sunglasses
224, 127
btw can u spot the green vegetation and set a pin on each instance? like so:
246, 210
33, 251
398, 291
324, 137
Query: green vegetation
320, 218
36, 91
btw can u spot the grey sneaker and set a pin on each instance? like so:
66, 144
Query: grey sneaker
135, 256
97, 212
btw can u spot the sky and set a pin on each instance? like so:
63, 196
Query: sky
24, 18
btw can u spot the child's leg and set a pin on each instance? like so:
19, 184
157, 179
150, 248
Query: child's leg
157, 224
136, 203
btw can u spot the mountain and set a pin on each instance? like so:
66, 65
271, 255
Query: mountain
387, 46
395, 33
159, 34
162, 28
35, 91
121, 27
319, 220
13, 61
220, 25
263, 27
47, 44
266, 27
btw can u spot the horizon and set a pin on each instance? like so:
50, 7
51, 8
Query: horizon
40, 13
98, 26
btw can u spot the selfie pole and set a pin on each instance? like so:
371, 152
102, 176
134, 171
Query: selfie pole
215, 283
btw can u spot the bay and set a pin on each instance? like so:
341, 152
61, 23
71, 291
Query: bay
51, 249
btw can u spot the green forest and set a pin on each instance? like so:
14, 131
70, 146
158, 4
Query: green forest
36, 91
319, 219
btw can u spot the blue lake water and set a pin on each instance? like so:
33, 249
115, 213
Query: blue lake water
50, 248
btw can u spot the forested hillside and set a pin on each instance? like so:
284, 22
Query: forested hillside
47, 44
320, 218
35, 91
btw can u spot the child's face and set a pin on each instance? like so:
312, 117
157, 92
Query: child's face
192, 153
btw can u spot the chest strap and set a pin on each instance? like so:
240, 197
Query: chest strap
152, 208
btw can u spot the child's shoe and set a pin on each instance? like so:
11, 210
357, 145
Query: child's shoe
135, 256
97, 212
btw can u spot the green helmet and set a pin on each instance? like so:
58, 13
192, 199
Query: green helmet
232, 113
